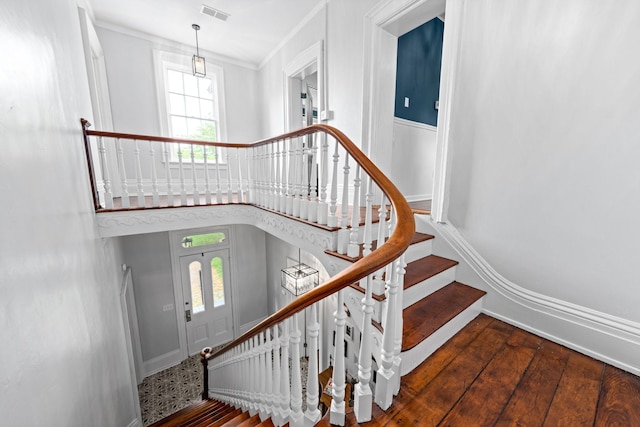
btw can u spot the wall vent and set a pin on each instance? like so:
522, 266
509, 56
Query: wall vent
215, 13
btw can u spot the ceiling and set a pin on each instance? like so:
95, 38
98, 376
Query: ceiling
253, 30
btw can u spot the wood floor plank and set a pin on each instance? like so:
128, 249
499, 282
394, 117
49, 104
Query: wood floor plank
530, 402
484, 401
427, 370
435, 400
574, 403
619, 403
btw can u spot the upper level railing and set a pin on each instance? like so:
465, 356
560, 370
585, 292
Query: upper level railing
316, 175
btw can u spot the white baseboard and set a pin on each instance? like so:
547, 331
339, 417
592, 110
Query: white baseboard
160, 363
608, 338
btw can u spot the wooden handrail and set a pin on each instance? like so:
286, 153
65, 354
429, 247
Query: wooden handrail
383, 255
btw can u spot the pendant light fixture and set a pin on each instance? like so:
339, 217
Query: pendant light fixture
300, 278
198, 64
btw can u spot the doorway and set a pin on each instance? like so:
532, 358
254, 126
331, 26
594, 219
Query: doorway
206, 294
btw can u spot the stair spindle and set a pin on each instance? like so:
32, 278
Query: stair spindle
124, 188
337, 410
106, 175
297, 417
312, 414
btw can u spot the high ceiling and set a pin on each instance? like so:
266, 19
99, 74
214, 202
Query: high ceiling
253, 30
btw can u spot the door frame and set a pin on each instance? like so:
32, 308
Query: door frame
389, 19
176, 251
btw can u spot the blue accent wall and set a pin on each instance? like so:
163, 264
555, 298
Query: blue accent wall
418, 72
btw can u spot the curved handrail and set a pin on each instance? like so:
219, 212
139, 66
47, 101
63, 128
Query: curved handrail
384, 254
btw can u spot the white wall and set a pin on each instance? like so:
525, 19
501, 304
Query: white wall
132, 86
413, 159
545, 147
61, 330
341, 26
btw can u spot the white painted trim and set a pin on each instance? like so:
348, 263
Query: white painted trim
605, 337
451, 51
418, 197
135, 423
162, 362
163, 44
313, 55
294, 32
134, 352
411, 123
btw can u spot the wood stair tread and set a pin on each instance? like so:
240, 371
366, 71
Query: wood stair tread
424, 268
426, 316
417, 238
186, 414
252, 421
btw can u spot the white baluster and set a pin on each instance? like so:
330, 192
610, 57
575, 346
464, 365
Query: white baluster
194, 175
277, 394
284, 191
270, 174
313, 187
240, 188
332, 220
167, 171
337, 414
343, 233
268, 374
290, 179
297, 175
229, 180
106, 176
262, 376
353, 250
278, 176
285, 397
397, 347
304, 178
207, 188
323, 208
138, 174
218, 190
297, 417
386, 381
123, 176
155, 198
312, 414
363, 397
183, 191
378, 282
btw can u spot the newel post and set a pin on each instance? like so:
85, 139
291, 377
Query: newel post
204, 359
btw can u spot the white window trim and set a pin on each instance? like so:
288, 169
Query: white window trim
163, 61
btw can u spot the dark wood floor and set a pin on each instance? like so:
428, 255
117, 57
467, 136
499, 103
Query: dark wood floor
494, 374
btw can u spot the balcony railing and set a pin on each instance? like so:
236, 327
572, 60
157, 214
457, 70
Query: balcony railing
316, 175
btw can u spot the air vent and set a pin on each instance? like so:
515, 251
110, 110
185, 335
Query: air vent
207, 10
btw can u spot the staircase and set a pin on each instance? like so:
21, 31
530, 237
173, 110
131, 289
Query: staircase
435, 305
212, 413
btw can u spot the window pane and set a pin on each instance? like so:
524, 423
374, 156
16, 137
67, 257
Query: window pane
195, 278
175, 81
218, 282
206, 88
179, 127
176, 103
206, 109
203, 239
190, 85
193, 106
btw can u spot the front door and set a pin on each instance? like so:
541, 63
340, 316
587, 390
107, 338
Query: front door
207, 299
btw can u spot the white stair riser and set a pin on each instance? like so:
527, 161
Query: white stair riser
417, 292
418, 354
418, 250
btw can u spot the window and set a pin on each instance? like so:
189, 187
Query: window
195, 279
190, 107
202, 239
218, 281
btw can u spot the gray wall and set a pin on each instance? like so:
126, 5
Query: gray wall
63, 342
149, 257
